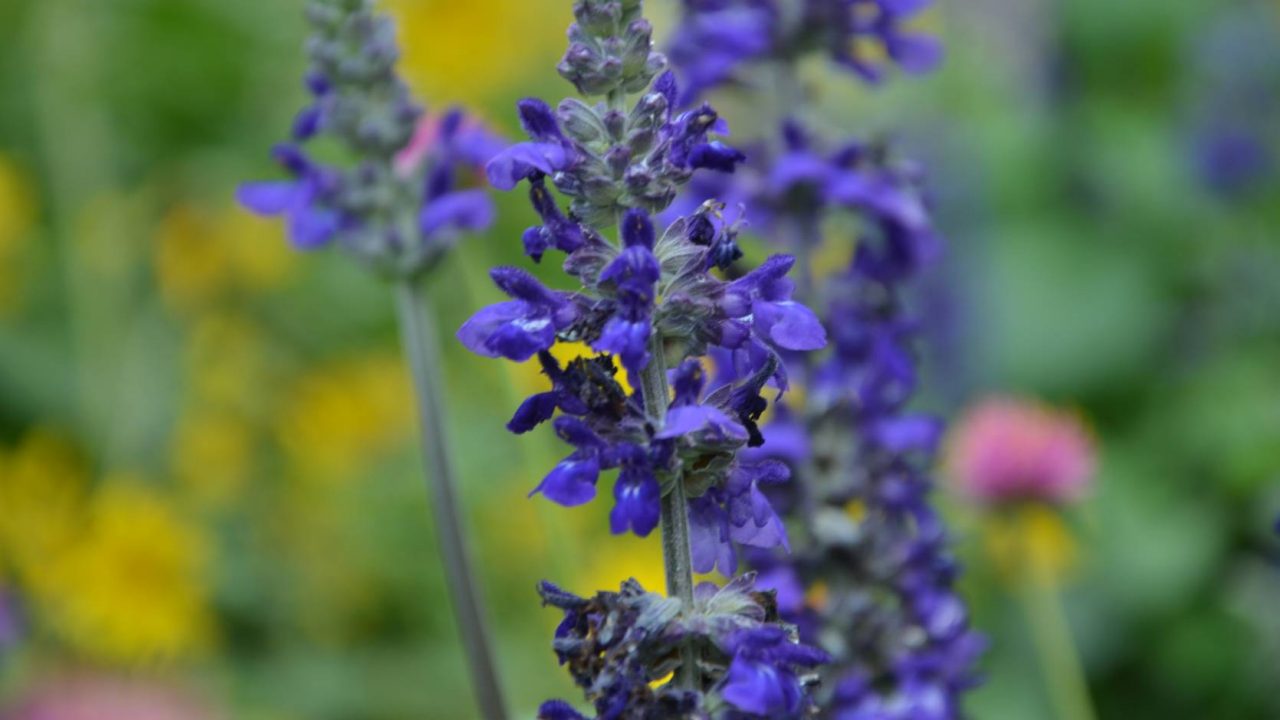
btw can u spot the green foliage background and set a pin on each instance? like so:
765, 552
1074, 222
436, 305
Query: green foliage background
1089, 266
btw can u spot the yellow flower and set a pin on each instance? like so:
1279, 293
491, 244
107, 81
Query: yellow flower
225, 362
42, 487
200, 255
459, 51
131, 588
615, 558
212, 457
1031, 542
528, 377
341, 416
17, 214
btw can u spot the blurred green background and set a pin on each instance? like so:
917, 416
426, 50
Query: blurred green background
206, 471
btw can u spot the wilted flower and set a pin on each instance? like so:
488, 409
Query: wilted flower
1006, 450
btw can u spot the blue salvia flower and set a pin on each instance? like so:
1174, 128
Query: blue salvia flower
652, 301
896, 630
400, 204
717, 38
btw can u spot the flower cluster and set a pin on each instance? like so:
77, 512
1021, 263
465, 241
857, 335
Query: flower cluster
870, 578
398, 205
718, 37
651, 301
644, 300
897, 631
618, 644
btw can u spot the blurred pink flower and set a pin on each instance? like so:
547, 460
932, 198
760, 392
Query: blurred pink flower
93, 697
1007, 449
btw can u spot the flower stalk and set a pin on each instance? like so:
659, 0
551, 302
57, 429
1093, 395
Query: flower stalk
418, 335
677, 555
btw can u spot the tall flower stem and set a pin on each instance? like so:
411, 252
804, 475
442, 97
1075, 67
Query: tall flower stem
677, 556
1051, 635
418, 332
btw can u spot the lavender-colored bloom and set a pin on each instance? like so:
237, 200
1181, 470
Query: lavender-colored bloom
898, 634
717, 39
651, 300
397, 206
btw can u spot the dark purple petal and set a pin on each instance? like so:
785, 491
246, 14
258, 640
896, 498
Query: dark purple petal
558, 710
717, 156
571, 483
539, 120
629, 340
636, 508
637, 229
532, 412
523, 160
760, 688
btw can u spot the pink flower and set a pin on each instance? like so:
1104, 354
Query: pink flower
96, 697
1009, 449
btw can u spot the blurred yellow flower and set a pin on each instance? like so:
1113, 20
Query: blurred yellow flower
1031, 543
340, 416
528, 377
42, 487
17, 215
225, 363
199, 255
212, 457
615, 558
469, 52
131, 588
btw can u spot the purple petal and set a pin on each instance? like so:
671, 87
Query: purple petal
759, 688
532, 412
790, 325
521, 160
912, 432
310, 228
475, 332
468, 210
637, 507
571, 483
915, 53
271, 197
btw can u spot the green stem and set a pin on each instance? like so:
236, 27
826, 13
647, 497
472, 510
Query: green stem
1059, 661
417, 327
676, 553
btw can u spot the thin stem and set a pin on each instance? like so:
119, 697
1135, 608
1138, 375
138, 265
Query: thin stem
676, 549
417, 327
1051, 635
